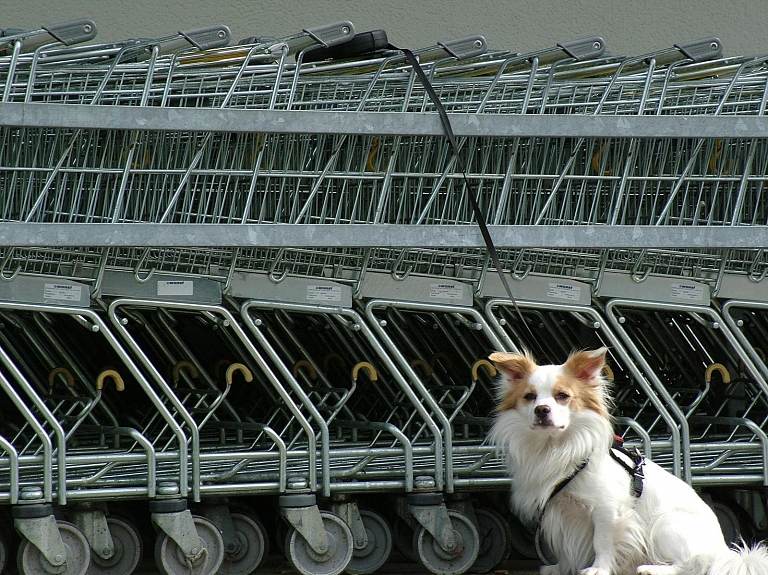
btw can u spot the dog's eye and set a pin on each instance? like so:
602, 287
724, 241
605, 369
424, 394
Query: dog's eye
562, 396
529, 397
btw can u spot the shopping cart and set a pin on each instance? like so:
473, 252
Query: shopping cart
334, 399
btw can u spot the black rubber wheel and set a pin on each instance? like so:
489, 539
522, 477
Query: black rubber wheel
495, 540
522, 541
3, 554
729, 522
373, 556
403, 538
252, 547
127, 553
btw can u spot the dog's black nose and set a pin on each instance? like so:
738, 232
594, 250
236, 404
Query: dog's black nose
542, 411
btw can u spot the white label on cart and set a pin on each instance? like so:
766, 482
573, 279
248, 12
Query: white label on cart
323, 293
180, 287
446, 291
564, 291
62, 292
686, 292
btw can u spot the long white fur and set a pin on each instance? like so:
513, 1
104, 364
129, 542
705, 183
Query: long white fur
596, 526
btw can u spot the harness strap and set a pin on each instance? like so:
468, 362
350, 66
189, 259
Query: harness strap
558, 488
622, 456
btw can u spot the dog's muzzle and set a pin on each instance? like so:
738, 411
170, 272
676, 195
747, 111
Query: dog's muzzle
543, 415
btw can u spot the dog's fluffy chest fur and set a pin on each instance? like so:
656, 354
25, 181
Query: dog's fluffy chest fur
539, 465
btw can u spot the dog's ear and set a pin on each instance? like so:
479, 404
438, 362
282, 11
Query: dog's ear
586, 365
516, 367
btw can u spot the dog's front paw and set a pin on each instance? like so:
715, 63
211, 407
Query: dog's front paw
594, 571
549, 570
658, 570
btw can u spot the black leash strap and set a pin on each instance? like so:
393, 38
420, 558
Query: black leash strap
478, 212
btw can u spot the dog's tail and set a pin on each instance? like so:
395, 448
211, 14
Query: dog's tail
742, 560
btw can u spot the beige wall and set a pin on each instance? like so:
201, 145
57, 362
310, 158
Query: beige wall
522, 26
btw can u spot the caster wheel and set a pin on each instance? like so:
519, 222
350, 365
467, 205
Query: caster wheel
281, 532
127, 554
252, 549
171, 561
729, 522
495, 540
403, 535
30, 561
377, 551
340, 548
3, 555
522, 540
442, 562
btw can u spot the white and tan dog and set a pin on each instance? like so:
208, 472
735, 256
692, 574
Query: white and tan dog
554, 428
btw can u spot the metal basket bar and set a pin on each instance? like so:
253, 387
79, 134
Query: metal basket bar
14, 114
14, 234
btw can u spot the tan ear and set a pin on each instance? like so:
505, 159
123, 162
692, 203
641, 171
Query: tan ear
586, 365
515, 366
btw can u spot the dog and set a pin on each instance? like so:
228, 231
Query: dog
600, 513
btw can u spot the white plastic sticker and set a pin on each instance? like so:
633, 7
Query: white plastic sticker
446, 291
62, 292
176, 287
323, 293
564, 291
686, 292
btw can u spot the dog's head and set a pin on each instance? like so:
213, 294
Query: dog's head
547, 398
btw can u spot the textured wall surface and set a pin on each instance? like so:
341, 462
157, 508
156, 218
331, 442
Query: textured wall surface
522, 25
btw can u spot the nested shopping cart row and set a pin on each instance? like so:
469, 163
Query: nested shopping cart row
113, 176
334, 67
82, 174
166, 400
369, 396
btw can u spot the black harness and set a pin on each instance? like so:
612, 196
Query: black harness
632, 462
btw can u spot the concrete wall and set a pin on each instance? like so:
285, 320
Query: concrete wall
521, 26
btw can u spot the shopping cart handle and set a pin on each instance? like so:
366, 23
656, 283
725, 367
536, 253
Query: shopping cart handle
720, 368
463, 48
367, 368
184, 364
119, 383
332, 34
73, 32
332, 358
304, 363
702, 50
208, 37
425, 367
442, 357
242, 369
70, 379
584, 49
486, 365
